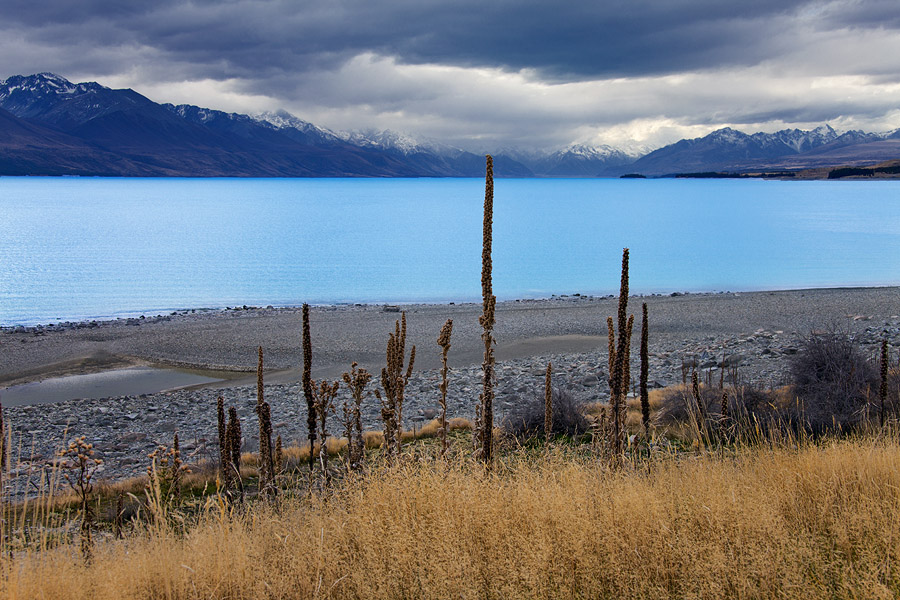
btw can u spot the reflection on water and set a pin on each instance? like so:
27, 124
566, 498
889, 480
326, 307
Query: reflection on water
132, 381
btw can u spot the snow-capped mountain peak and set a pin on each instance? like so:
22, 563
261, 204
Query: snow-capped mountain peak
281, 119
403, 143
45, 84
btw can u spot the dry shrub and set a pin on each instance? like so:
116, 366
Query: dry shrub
833, 381
814, 522
527, 421
746, 405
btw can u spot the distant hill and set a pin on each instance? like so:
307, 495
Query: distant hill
51, 126
731, 151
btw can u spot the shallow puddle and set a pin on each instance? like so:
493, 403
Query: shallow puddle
131, 381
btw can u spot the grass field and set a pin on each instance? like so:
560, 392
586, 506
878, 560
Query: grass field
814, 520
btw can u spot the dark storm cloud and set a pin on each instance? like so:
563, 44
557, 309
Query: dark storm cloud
539, 73
559, 40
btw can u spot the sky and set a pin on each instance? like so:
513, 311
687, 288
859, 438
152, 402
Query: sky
486, 76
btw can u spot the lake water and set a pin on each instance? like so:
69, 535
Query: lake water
73, 248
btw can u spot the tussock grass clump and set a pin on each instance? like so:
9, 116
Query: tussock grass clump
819, 522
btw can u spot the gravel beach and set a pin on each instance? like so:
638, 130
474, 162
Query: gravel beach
757, 332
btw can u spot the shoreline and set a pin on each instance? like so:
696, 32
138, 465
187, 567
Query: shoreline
222, 343
755, 332
167, 314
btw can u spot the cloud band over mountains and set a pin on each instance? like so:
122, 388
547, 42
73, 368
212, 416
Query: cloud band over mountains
484, 75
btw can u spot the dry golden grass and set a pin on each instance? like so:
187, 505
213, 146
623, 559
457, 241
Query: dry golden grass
818, 522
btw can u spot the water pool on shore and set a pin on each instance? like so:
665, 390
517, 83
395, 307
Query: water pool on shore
79, 248
132, 381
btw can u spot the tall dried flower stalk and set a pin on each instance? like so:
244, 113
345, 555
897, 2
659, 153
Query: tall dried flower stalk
176, 467
698, 398
279, 457
611, 346
484, 433
324, 404
3, 451
224, 458
645, 370
308, 391
356, 380
548, 404
444, 342
4, 445
80, 466
882, 391
620, 374
234, 443
263, 411
393, 382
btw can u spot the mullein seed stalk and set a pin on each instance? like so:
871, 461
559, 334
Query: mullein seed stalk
698, 398
279, 457
234, 442
883, 390
308, 391
444, 342
223, 444
393, 382
484, 434
266, 463
645, 370
620, 375
356, 380
4, 443
325, 394
548, 404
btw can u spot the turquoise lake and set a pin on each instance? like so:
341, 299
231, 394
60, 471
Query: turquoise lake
75, 248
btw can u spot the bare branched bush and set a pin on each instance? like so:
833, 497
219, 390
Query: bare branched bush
744, 406
527, 422
833, 381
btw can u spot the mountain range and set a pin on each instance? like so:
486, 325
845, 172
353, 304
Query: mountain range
50, 126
